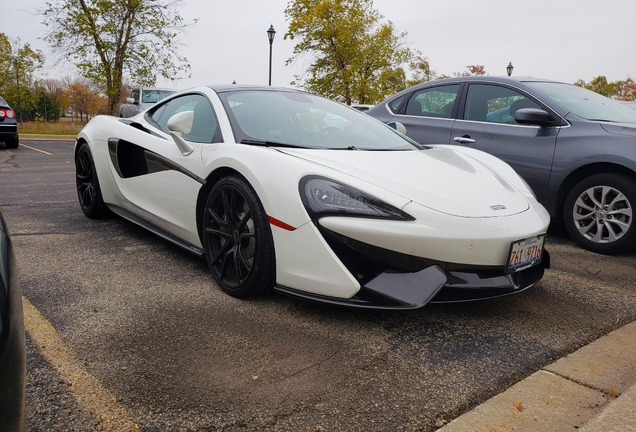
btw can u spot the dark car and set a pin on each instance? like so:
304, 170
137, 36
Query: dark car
12, 343
8, 125
575, 148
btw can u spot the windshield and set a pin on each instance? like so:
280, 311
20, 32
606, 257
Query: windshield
585, 103
154, 96
304, 120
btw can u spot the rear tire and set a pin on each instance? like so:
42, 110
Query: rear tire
88, 191
599, 212
237, 239
12, 142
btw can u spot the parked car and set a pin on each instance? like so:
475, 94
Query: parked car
12, 341
8, 125
280, 189
142, 98
575, 148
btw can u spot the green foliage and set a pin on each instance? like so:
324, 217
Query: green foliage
356, 57
108, 39
421, 71
20, 62
46, 108
622, 89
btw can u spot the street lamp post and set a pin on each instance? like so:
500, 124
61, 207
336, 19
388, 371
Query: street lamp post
270, 35
509, 68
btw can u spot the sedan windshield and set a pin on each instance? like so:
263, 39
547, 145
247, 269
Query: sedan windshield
585, 103
303, 120
154, 96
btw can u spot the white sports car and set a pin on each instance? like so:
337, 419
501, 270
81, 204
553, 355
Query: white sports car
280, 189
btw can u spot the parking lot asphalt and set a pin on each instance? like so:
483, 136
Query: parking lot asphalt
128, 328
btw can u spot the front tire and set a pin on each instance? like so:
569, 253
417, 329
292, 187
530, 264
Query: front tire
599, 211
88, 190
237, 239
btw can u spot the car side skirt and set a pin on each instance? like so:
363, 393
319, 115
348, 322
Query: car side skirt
156, 230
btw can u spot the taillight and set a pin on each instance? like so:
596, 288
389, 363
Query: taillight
7, 113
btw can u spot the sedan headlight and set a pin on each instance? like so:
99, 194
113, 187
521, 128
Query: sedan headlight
325, 197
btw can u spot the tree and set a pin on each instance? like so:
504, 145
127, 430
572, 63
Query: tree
473, 70
85, 101
107, 39
629, 90
421, 70
357, 58
623, 90
20, 63
56, 92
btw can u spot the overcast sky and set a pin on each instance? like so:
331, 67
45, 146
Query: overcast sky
564, 40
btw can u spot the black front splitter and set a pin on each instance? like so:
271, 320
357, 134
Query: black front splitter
413, 290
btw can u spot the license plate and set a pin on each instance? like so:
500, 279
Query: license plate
525, 253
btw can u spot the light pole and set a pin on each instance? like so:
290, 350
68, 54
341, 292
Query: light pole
270, 35
509, 68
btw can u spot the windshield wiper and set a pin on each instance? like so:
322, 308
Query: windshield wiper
344, 148
265, 143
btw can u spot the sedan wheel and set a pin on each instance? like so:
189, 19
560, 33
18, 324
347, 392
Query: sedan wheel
237, 239
599, 213
88, 190
12, 142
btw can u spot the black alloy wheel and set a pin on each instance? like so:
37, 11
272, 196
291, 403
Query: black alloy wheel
88, 190
237, 239
599, 213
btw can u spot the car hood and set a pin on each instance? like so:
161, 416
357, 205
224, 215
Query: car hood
628, 129
439, 178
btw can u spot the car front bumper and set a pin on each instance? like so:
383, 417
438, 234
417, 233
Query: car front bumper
391, 280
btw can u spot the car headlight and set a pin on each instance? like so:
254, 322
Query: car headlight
325, 197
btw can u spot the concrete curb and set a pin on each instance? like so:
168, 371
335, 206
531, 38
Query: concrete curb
593, 389
44, 137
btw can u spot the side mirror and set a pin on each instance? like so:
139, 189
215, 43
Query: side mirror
398, 127
531, 116
179, 124
130, 101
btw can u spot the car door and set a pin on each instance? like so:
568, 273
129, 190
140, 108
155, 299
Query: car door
486, 122
428, 114
161, 182
132, 109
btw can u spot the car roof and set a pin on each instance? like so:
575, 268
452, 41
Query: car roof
488, 78
3, 102
221, 88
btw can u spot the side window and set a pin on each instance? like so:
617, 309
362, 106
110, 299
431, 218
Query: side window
494, 104
433, 102
135, 95
205, 127
395, 104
